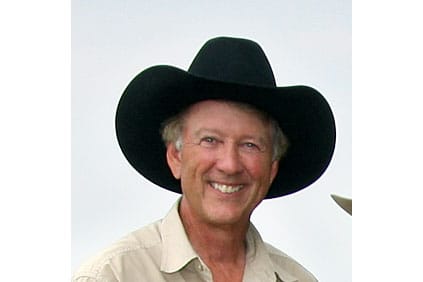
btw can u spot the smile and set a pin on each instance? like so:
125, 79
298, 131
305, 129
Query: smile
226, 188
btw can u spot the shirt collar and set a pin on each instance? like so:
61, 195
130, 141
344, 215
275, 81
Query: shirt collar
259, 264
177, 250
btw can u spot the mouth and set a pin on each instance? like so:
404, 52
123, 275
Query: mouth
227, 189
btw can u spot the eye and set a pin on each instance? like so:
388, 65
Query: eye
250, 146
208, 141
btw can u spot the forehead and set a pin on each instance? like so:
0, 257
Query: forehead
225, 105
225, 114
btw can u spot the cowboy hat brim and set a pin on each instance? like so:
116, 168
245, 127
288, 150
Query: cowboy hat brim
160, 92
344, 203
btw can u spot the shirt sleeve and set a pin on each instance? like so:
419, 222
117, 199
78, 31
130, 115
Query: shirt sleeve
104, 275
84, 279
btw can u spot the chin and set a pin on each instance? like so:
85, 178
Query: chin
227, 217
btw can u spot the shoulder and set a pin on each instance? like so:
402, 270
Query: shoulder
144, 243
285, 263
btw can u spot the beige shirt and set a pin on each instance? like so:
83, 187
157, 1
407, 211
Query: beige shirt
162, 252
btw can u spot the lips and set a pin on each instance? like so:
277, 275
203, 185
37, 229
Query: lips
224, 188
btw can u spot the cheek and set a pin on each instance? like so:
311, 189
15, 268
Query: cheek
195, 162
260, 169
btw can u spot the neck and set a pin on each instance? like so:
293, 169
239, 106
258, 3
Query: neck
215, 243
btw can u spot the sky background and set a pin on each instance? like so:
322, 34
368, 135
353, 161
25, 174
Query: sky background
306, 42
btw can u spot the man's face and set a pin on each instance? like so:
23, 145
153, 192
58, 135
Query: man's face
225, 164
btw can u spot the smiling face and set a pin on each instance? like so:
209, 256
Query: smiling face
225, 164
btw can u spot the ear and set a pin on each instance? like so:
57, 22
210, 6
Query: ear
173, 157
274, 170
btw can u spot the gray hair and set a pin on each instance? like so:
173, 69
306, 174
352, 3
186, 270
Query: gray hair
171, 130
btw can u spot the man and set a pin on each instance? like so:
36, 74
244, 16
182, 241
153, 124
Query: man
229, 139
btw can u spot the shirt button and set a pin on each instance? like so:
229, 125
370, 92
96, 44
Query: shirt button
200, 267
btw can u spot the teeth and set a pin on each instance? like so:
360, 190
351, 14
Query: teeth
226, 188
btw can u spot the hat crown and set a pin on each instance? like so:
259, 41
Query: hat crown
233, 60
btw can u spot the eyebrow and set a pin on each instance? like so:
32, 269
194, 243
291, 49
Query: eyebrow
260, 139
202, 131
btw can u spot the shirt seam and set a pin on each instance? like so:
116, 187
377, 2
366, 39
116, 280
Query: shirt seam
97, 270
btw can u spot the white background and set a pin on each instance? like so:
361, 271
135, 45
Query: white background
35, 143
306, 42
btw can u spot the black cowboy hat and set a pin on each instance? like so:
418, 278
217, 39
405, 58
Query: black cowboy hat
230, 69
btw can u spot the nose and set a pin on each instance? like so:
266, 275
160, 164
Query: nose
229, 161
